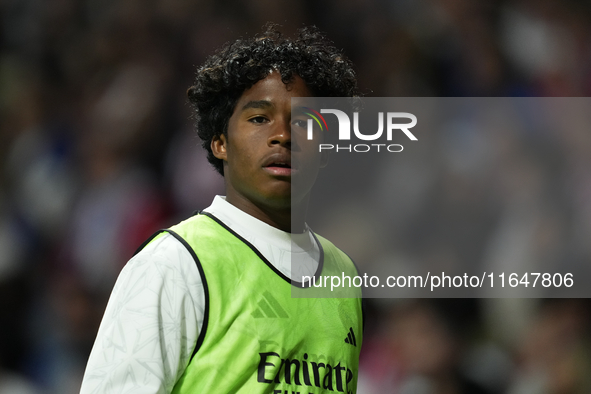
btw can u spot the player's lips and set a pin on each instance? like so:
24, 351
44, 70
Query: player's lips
278, 164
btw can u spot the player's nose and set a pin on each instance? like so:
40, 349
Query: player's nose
281, 134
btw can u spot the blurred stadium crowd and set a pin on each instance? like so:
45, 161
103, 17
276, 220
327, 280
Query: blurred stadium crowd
98, 150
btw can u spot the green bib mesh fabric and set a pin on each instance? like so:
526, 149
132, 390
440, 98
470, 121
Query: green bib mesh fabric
256, 338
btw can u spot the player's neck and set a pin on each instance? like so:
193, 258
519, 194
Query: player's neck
281, 217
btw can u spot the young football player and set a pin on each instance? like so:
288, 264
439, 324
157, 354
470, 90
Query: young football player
206, 306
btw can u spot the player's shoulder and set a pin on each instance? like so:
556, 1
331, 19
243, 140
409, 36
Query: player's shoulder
160, 243
173, 245
330, 248
162, 266
201, 224
167, 241
327, 244
160, 251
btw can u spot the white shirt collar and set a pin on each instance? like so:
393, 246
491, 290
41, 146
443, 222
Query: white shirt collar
276, 245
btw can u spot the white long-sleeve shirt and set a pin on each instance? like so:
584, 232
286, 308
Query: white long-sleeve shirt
156, 309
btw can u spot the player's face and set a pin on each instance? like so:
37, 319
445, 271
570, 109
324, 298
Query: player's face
260, 156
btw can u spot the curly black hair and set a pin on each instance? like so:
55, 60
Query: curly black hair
237, 66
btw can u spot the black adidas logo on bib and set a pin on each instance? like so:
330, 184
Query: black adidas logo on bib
350, 339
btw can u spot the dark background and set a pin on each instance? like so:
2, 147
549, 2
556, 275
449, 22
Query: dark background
97, 151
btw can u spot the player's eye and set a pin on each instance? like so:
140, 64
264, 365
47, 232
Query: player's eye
299, 123
258, 119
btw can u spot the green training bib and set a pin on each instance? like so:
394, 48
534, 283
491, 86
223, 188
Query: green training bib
257, 338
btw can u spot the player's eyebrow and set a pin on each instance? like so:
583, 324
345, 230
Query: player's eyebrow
298, 111
260, 104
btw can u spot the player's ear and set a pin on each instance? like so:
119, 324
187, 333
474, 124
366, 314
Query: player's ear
218, 147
